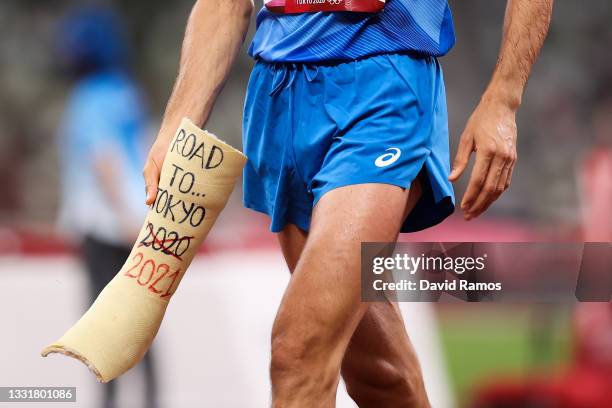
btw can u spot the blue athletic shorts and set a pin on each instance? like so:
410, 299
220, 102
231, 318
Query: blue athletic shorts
311, 128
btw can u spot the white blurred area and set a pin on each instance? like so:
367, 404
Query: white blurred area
213, 347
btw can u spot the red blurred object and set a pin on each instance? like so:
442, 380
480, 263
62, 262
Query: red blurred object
44, 241
587, 384
252, 233
312, 6
593, 334
596, 193
579, 388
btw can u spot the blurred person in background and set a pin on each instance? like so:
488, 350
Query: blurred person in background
101, 148
592, 368
587, 381
595, 171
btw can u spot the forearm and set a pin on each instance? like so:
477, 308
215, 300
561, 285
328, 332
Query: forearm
525, 28
215, 31
108, 177
105, 169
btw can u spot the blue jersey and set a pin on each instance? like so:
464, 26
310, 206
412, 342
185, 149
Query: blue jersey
422, 26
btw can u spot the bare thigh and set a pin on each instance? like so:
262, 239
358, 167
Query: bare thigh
379, 365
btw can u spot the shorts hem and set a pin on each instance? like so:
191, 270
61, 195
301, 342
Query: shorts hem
427, 213
276, 225
378, 180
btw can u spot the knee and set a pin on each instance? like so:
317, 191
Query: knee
287, 356
296, 363
381, 381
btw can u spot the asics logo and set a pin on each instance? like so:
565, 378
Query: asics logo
388, 159
334, 2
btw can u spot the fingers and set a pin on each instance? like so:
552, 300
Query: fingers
497, 181
151, 177
491, 189
152, 169
510, 173
466, 147
504, 182
484, 157
491, 132
502, 186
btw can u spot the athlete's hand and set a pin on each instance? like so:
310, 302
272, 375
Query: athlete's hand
152, 168
491, 133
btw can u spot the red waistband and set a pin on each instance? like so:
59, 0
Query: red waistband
312, 6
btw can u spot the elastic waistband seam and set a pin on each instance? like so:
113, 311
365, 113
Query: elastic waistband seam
332, 63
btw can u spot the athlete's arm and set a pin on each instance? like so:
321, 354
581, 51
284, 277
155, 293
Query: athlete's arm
106, 170
491, 130
215, 31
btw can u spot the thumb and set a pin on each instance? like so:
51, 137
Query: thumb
466, 145
151, 179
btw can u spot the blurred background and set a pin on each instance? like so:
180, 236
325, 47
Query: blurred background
63, 64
